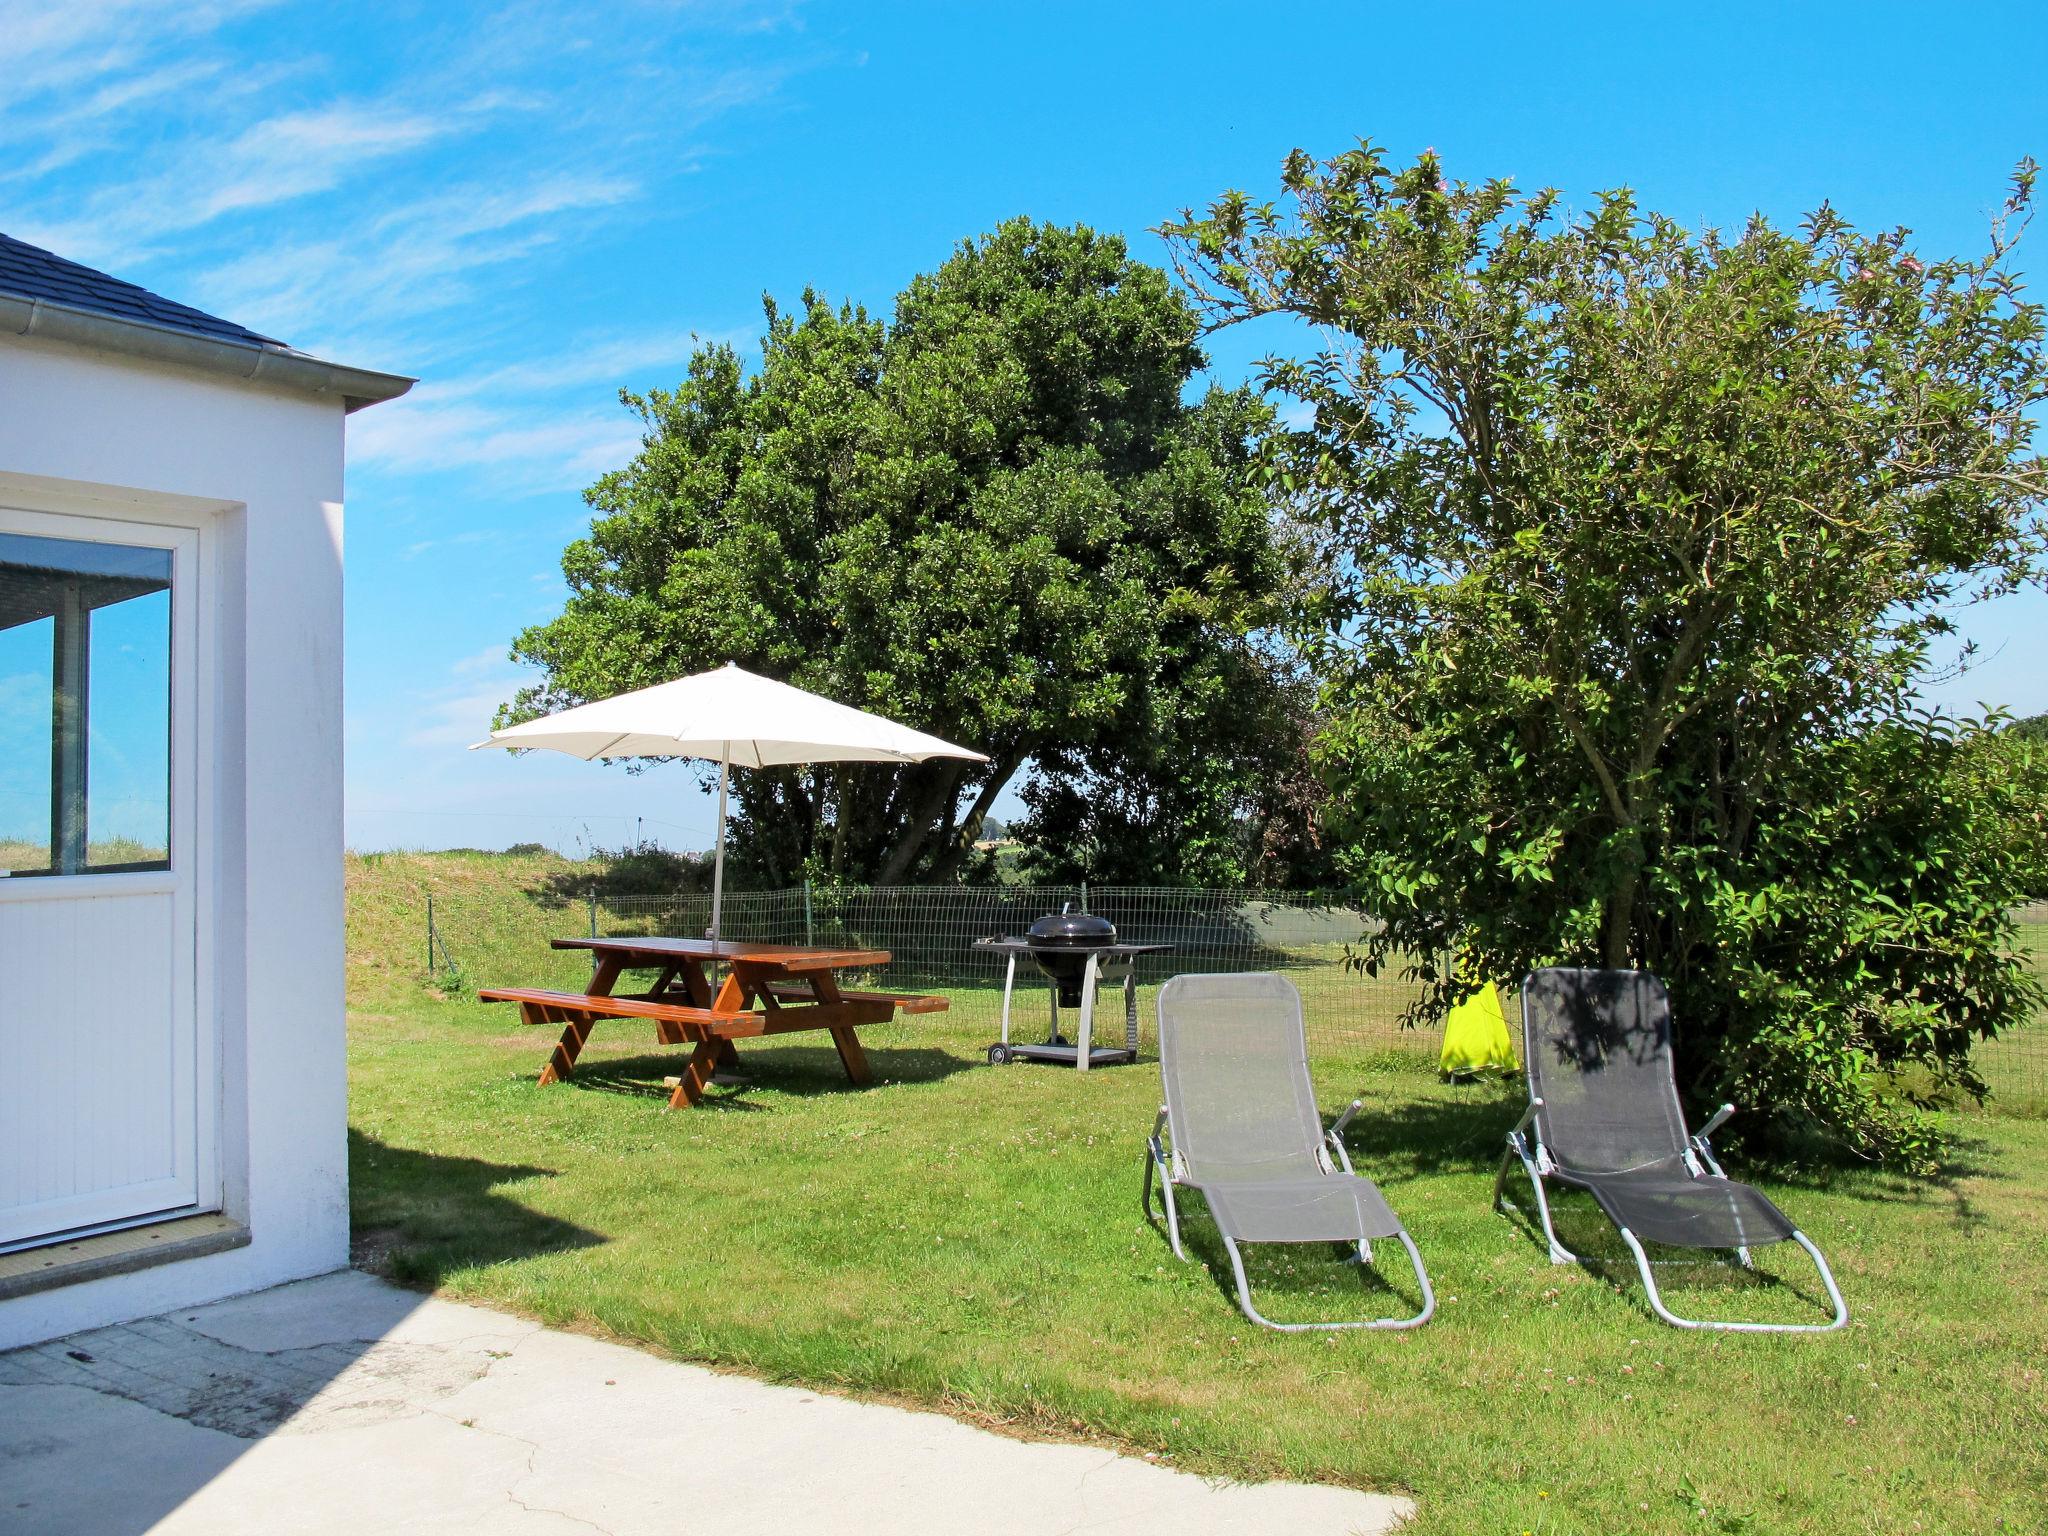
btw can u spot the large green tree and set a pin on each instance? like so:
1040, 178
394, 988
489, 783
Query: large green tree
1641, 537
1165, 805
994, 515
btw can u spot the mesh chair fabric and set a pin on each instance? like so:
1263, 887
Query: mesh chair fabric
1332, 1207
1234, 1060
1598, 1049
1666, 1204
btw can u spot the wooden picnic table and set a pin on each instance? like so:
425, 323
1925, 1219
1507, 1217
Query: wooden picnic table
768, 989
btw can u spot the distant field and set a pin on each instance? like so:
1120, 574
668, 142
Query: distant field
17, 854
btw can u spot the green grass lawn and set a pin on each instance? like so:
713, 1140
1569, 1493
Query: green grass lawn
970, 1237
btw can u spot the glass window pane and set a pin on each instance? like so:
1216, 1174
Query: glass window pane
25, 745
128, 740
85, 706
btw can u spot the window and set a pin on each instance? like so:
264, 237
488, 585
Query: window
85, 706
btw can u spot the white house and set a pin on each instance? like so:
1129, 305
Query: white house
172, 1086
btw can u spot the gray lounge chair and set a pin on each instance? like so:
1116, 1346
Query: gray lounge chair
1243, 1128
1604, 1117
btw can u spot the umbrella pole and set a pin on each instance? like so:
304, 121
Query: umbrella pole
718, 859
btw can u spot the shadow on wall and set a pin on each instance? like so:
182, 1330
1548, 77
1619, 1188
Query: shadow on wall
415, 1216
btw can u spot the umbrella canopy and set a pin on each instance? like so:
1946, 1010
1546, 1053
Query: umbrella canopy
733, 717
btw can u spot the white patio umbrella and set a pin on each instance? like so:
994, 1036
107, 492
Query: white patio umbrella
734, 717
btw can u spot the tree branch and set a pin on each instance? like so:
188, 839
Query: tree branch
1000, 772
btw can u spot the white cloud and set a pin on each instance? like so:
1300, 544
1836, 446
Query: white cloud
275, 160
548, 423
600, 360
469, 537
64, 44
460, 712
289, 156
80, 72
410, 205
532, 446
457, 720
153, 141
492, 658
418, 257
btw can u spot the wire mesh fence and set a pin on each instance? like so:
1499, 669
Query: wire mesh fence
2016, 1064
475, 938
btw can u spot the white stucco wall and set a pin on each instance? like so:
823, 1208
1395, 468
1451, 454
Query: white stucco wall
262, 472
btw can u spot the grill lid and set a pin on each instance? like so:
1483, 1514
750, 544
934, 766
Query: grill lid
1068, 929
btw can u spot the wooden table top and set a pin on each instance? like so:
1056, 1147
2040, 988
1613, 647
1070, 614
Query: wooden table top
788, 957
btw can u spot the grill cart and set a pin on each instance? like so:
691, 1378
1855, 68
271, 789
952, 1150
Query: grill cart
1076, 952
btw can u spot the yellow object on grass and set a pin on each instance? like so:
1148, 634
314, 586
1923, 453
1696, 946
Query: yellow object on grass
1476, 1036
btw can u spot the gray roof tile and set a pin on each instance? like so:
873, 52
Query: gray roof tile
31, 272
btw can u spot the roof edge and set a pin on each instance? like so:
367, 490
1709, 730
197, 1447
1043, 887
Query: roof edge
281, 366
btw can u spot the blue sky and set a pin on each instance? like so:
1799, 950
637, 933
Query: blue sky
530, 205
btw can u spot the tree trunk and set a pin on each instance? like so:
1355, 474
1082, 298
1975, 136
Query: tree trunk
1000, 773
842, 817
920, 812
1619, 919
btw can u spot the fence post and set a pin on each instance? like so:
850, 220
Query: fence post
809, 941
430, 933
1084, 895
592, 899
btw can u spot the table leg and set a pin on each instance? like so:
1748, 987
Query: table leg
576, 1030
851, 1056
697, 1071
825, 988
696, 983
734, 996
664, 1034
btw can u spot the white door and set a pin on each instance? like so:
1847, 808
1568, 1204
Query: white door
102, 1119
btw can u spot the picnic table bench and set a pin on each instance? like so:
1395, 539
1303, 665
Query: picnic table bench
795, 988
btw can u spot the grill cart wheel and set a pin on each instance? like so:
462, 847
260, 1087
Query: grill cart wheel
998, 1054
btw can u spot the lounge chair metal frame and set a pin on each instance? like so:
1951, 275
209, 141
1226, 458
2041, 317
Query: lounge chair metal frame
1165, 1162
1525, 1143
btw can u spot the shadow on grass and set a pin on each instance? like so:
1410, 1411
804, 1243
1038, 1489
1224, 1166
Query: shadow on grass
415, 1216
1468, 1132
1297, 1282
1315, 1281
1686, 1276
807, 1071
1423, 1136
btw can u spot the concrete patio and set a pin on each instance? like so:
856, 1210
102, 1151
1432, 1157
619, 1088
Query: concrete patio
343, 1404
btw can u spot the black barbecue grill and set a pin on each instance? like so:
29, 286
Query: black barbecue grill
1076, 952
